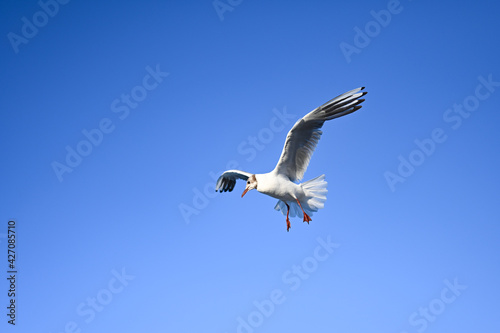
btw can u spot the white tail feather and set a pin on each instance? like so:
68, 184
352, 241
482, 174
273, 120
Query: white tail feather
315, 191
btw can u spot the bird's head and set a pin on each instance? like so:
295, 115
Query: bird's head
251, 184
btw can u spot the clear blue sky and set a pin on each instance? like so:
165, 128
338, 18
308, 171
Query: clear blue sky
116, 116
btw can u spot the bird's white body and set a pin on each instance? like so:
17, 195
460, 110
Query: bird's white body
279, 186
293, 198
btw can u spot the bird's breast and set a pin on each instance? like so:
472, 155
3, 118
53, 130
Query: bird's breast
278, 187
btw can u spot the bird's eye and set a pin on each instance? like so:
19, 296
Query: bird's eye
248, 182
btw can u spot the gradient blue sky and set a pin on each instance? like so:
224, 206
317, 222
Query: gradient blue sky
418, 255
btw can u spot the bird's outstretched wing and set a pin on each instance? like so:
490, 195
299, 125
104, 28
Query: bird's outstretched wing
305, 134
227, 180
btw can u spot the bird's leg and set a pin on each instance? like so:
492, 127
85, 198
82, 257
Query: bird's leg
307, 218
287, 220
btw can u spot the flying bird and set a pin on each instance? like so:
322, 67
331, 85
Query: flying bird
281, 183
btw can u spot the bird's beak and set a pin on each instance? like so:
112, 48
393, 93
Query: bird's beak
244, 192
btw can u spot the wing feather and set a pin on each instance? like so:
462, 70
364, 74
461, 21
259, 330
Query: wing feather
227, 180
304, 136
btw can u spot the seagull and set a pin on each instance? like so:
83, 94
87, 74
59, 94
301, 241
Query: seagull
282, 182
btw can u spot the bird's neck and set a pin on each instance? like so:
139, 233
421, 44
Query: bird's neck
265, 182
